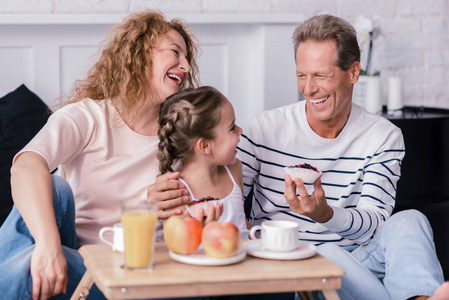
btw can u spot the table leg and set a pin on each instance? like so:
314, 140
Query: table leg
82, 290
330, 295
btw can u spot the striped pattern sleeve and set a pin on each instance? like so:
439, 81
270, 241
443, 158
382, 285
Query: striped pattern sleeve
377, 195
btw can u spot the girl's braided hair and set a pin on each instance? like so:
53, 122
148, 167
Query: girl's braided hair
185, 117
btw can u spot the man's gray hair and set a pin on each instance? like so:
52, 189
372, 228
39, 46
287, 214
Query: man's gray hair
327, 27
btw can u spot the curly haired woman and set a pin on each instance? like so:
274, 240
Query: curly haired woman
104, 143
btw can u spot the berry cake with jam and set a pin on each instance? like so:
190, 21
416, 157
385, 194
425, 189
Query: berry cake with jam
194, 207
306, 172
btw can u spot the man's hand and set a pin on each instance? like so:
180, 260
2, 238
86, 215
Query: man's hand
170, 194
48, 272
314, 207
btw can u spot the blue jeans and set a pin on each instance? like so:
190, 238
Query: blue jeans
17, 245
399, 262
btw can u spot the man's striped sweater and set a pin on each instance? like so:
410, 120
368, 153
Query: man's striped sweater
360, 168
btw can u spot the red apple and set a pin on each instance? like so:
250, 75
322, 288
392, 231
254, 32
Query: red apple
221, 239
182, 234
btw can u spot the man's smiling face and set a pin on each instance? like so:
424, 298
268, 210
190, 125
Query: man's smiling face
326, 88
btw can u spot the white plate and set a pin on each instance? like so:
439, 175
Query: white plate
200, 257
304, 250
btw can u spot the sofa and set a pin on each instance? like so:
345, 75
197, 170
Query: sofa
22, 115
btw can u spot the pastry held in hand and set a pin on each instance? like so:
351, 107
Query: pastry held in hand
306, 172
194, 207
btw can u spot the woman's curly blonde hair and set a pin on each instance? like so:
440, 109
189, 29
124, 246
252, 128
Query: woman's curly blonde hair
124, 67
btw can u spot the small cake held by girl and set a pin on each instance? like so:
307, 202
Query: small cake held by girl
199, 136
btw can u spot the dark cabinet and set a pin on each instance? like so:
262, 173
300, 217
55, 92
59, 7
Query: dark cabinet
424, 183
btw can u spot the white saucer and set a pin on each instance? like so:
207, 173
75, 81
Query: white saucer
200, 257
304, 250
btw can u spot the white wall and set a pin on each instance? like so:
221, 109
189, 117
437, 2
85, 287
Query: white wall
49, 52
414, 44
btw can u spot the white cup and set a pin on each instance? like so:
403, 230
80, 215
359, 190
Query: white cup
118, 243
278, 236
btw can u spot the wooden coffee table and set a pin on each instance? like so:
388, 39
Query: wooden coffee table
170, 278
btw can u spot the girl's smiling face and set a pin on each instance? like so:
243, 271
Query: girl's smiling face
170, 65
227, 137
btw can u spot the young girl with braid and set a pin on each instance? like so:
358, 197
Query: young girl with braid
198, 134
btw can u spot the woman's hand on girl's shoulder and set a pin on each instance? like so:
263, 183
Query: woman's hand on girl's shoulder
170, 194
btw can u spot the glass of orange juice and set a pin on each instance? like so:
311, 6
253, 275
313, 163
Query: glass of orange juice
139, 221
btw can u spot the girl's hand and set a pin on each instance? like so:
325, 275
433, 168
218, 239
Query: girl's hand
213, 214
170, 194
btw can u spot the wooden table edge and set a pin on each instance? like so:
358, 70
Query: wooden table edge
329, 287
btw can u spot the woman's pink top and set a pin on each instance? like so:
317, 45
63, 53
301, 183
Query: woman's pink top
102, 159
